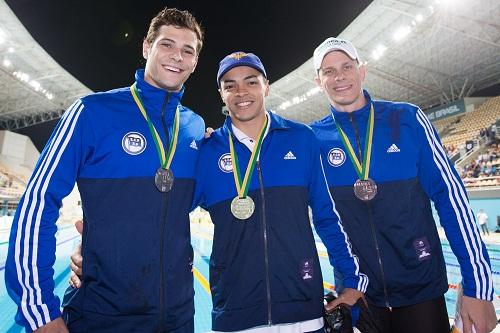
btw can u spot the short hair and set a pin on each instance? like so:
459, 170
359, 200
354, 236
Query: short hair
177, 18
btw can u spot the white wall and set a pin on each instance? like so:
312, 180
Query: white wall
18, 149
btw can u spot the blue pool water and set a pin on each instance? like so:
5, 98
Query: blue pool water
202, 243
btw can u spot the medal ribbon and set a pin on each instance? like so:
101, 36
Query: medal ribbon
362, 168
242, 186
165, 159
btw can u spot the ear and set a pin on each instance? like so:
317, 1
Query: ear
362, 72
222, 96
267, 88
145, 49
195, 64
317, 80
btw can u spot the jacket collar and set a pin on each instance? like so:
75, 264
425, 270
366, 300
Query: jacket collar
277, 122
153, 97
360, 113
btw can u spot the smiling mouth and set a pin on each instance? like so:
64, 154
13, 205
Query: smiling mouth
243, 104
340, 89
172, 68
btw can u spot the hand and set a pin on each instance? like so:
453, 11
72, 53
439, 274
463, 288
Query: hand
76, 260
208, 132
348, 296
479, 313
54, 326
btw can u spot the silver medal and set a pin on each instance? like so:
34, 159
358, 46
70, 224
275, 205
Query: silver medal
164, 179
242, 208
365, 189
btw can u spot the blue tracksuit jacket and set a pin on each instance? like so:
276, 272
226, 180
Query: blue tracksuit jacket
395, 235
136, 242
265, 270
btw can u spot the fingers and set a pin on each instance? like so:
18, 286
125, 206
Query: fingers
76, 260
208, 132
74, 280
79, 226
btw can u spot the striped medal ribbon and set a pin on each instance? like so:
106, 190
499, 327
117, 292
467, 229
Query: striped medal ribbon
164, 177
364, 188
242, 205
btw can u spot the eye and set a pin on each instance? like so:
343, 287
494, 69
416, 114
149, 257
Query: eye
348, 67
327, 71
252, 83
228, 87
166, 45
188, 51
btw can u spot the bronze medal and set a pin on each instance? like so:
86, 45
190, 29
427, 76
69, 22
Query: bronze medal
164, 179
365, 189
242, 208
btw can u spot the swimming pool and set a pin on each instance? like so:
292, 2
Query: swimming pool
67, 238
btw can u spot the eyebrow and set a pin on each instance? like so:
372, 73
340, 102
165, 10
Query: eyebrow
253, 76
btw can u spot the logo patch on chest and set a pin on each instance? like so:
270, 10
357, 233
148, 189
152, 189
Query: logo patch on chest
225, 163
134, 143
336, 157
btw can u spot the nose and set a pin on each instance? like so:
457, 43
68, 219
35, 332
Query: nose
340, 76
241, 91
176, 55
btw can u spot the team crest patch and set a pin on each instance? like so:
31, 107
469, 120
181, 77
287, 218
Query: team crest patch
225, 163
134, 143
336, 157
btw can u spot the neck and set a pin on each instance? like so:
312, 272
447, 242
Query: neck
358, 104
152, 82
251, 127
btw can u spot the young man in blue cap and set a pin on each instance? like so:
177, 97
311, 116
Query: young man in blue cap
385, 163
256, 176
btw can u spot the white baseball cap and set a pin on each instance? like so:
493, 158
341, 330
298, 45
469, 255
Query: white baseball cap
333, 44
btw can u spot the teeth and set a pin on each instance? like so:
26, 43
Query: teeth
341, 88
243, 103
173, 69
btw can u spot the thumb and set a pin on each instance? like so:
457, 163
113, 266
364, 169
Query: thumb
79, 226
467, 324
333, 304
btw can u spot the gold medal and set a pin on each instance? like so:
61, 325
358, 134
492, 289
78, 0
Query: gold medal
242, 208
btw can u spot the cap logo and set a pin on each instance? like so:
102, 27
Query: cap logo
237, 55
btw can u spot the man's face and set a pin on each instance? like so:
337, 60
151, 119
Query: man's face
171, 58
243, 90
341, 78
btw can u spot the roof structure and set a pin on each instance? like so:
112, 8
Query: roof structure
427, 52
33, 87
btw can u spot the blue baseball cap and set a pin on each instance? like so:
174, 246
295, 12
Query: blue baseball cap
237, 59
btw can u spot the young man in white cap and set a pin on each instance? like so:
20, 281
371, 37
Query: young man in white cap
256, 176
385, 163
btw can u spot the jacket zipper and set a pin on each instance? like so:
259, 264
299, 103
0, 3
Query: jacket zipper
163, 224
266, 255
372, 225
377, 249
